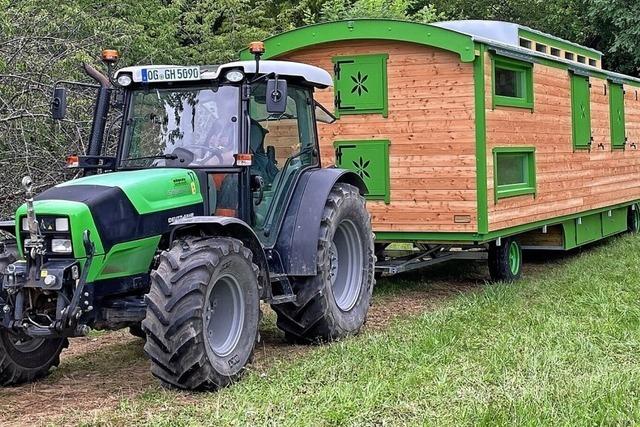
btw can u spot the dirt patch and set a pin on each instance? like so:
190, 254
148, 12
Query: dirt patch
97, 372
386, 309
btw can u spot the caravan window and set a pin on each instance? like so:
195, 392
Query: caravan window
514, 171
512, 83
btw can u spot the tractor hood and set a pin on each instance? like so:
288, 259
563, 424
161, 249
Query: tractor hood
149, 190
122, 207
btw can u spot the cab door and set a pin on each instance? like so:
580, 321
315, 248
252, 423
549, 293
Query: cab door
282, 146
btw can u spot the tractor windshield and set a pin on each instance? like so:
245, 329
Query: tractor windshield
181, 127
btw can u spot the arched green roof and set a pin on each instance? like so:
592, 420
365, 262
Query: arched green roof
368, 29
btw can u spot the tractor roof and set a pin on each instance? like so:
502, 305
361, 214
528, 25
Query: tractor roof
310, 74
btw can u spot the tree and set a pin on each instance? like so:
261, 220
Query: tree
43, 41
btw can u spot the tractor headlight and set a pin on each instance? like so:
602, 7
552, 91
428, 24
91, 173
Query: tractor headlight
234, 76
61, 246
124, 79
62, 224
48, 224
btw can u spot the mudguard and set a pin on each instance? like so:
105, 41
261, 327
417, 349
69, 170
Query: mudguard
227, 227
297, 243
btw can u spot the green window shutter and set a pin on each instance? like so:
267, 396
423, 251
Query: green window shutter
370, 160
616, 104
580, 111
361, 84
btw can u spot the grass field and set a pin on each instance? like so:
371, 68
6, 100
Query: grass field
561, 347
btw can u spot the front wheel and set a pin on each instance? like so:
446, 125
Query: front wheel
203, 311
505, 261
24, 359
27, 359
334, 303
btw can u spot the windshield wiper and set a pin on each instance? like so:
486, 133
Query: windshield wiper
157, 156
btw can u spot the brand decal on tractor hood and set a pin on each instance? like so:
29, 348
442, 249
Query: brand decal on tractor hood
179, 217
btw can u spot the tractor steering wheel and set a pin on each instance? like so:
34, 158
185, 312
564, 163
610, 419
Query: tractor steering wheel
204, 153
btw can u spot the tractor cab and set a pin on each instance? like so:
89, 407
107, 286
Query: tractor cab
246, 129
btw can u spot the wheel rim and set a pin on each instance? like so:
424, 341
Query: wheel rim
345, 266
514, 258
224, 315
25, 345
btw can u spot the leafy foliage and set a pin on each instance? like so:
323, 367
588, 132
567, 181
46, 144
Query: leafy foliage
43, 41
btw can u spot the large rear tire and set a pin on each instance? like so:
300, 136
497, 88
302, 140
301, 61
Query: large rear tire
203, 313
25, 359
334, 303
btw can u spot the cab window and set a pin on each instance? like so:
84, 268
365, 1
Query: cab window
182, 127
282, 145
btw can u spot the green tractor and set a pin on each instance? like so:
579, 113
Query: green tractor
214, 202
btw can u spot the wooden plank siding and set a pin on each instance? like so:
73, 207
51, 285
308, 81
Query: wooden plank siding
568, 182
430, 126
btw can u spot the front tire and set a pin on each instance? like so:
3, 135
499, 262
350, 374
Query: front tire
25, 359
28, 359
203, 313
334, 303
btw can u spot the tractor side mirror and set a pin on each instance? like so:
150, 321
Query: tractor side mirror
276, 96
59, 103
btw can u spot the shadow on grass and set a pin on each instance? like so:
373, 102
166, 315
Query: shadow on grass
458, 276
106, 359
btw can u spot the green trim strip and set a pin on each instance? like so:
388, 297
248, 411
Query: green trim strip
454, 237
367, 29
481, 142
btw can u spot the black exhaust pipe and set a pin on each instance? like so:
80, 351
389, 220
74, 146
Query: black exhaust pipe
99, 115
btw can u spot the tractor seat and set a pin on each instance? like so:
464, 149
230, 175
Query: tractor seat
263, 164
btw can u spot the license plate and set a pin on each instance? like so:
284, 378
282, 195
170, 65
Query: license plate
151, 75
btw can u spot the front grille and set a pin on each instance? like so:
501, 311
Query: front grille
46, 222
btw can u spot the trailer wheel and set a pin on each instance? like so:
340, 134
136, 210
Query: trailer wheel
633, 220
203, 313
25, 359
505, 261
334, 303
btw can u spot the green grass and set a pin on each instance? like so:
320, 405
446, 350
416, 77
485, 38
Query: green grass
559, 348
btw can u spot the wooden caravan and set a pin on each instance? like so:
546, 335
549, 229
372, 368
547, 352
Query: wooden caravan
476, 132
